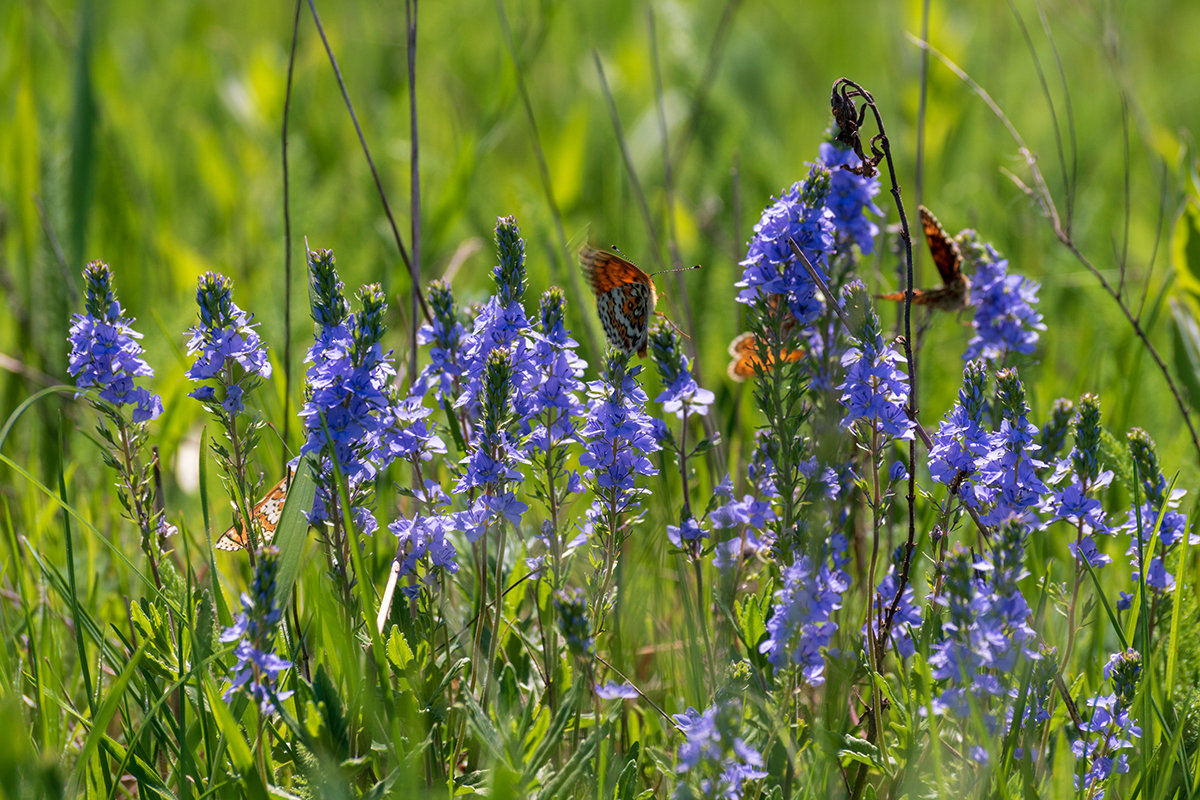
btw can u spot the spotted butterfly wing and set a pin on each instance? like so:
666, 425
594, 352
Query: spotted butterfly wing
266, 513
625, 298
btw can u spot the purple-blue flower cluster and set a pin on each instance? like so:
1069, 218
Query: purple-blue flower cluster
714, 758
850, 198
799, 215
225, 337
1109, 730
104, 353
1005, 320
986, 631
445, 333
258, 667
801, 624
618, 438
875, 389
1148, 536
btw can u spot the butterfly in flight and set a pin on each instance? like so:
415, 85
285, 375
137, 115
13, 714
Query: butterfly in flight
266, 514
955, 292
625, 297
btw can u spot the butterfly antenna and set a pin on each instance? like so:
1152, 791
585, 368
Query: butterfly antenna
677, 269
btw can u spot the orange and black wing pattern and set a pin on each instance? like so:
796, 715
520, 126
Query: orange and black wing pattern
946, 255
747, 359
625, 298
266, 513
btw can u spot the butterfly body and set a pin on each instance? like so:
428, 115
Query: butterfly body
955, 292
266, 513
625, 298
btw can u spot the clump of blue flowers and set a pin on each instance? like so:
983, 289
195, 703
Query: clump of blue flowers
227, 348
799, 215
1109, 730
1005, 319
105, 354
801, 624
875, 389
258, 667
850, 198
714, 759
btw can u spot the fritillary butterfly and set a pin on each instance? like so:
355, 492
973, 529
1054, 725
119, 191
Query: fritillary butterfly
747, 362
625, 298
955, 292
266, 513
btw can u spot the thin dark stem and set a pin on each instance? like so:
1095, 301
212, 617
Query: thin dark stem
287, 247
362, 140
410, 20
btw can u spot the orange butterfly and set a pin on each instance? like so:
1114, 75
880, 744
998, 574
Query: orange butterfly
746, 359
955, 292
625, 298
266, 514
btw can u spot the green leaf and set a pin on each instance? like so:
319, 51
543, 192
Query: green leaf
293, 528
398, 652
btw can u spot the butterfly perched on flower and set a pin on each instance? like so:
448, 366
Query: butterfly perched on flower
955, 292
266, 514
625, 298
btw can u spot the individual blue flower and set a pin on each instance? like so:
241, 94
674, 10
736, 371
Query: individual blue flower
801, 623
850, 198
224, 338
612, 691
875, 389
713, 758
104, 353
799, 215
258, 667
1005, 320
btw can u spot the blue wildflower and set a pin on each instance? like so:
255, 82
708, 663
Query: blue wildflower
445, 333
225, 337
800, 214
1109, 730
713, 755
1005, 320
801, 624
681, 395
850, 198
104, 352
258, 668
875, 389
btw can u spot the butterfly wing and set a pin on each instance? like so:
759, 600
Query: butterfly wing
748, 362
947, 256
266, 513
